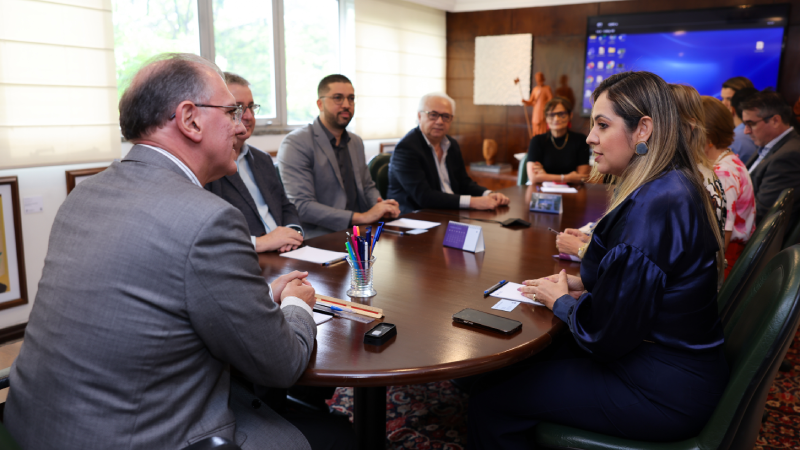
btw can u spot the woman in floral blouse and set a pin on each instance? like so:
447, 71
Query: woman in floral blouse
740, 222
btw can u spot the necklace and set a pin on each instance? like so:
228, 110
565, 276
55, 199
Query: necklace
722, 156
553, 140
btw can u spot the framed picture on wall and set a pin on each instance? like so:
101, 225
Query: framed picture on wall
74, 177
13, 287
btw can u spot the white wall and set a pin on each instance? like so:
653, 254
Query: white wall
401, 55
50, 183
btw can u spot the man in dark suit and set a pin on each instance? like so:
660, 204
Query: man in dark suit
427, 169
151, 291
776, 166
255, 187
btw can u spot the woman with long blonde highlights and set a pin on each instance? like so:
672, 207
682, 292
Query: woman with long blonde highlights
644, 357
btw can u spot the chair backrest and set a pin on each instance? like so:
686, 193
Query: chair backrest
756, 340
522, 172
785, 202
378, 161
765, 243
792, 235
382, 182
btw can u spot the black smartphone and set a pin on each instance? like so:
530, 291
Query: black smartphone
485, 320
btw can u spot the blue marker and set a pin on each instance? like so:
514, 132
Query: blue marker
494, 288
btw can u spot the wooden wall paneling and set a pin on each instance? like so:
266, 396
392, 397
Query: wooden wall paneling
461, 49
552, 20
557, 56
478, 23
460, 68
460, 88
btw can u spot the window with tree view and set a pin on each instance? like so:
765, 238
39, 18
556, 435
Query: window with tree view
143, 29
244, 43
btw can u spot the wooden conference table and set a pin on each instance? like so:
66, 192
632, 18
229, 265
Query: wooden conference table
420, 285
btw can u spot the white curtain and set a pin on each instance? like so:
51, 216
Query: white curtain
58, 97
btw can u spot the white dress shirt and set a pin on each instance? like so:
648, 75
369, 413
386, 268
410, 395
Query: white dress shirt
444, 177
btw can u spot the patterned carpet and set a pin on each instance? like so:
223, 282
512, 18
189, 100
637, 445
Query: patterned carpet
433, 415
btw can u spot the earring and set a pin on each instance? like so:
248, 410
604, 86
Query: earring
641, 148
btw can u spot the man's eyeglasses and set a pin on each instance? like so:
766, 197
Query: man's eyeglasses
557, 115
751, 123
237, 110
253, 108
339, 98
434, 116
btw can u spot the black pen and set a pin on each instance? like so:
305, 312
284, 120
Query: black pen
386, 230
553, 231
494, 288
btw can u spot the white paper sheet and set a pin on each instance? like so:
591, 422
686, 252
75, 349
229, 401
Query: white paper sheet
411, 223
559, 190
510, 292
319, 319
505, 305
315, 255
417, 231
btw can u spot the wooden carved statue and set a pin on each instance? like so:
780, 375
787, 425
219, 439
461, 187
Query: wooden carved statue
489, 151
564, 91
540, 95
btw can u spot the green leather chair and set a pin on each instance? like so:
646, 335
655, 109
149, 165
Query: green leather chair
756, 340
382, 181
522, 172
378, 161
784, 202
792, 235
765, 243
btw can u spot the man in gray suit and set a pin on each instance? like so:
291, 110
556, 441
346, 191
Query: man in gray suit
776, 166
255, 187
151, 291
324, 170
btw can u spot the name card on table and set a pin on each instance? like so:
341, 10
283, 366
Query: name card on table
464, 237
549, 203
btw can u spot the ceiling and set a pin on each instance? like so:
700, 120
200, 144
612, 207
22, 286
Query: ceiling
482, 5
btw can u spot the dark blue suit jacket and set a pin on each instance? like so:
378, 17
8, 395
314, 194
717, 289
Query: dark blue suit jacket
233, 190
414, 181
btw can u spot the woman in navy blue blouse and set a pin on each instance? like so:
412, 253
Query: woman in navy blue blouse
644, 359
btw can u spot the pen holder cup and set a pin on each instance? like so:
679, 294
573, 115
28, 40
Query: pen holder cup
361, 278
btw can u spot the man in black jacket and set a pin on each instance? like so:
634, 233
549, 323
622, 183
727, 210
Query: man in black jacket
776, 166
255, 188
427, 170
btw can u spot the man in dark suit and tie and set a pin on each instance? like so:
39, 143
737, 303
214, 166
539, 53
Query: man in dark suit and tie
776, 166
255, 187
151, 291
427, 169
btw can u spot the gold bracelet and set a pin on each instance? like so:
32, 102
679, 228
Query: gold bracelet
582, 250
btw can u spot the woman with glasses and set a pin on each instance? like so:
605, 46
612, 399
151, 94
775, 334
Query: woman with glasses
560, 154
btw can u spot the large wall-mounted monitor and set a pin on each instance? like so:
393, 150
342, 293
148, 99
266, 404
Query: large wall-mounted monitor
701, 48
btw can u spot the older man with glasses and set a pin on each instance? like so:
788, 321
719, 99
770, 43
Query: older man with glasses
427, 169
324, 170
776, 165
151, 291
255, 188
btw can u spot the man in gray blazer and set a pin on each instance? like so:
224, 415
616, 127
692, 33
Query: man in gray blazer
151, 291
324, 170
255, 188
776, 166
